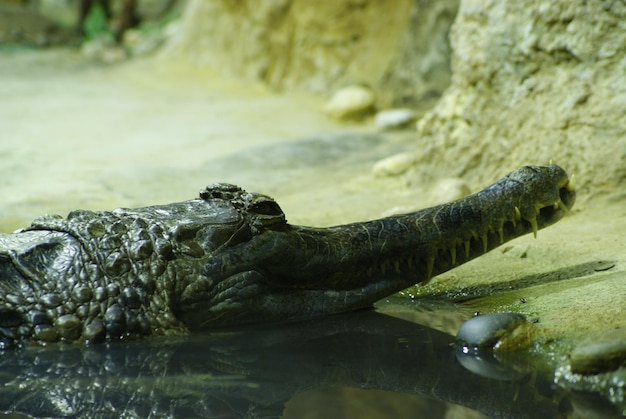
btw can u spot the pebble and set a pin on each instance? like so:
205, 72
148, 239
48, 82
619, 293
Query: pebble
394, 119
600, 353
489, 331
351, 102
394, 165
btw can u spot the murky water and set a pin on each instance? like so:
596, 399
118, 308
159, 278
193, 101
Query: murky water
364, 364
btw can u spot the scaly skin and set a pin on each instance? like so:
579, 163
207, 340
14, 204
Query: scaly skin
230, 257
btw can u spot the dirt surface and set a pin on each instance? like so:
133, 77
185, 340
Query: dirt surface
77, 134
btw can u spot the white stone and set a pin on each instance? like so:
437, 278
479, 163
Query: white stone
350, 102
394, 118
394, 165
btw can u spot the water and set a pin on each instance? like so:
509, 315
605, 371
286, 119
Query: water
364, 364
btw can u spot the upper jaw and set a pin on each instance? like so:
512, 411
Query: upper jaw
275, 268
557, 205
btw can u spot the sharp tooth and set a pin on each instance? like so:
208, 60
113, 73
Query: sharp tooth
430, 262
484, 240
561, 205
570, 185
453, 254
396, 265
533, 224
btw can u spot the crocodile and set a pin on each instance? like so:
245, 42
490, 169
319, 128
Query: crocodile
230, 257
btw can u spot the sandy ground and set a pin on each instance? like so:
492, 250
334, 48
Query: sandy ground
77, 134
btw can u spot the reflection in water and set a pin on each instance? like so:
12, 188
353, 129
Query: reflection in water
332, 367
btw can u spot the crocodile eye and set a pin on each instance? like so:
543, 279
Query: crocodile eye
266, 212
266, 207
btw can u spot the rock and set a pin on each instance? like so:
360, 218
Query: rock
400, 48
351, 102
394, 165
532, 81
501, 331
394, 119
600, 353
